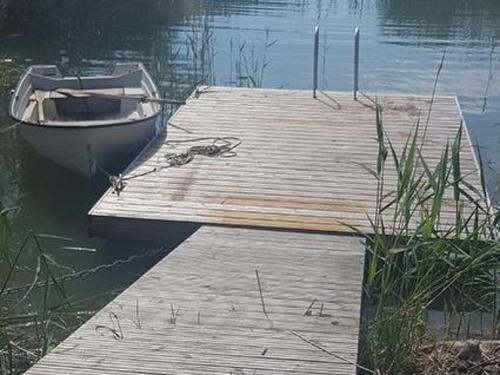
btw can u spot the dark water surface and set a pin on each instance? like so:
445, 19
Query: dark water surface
252, 42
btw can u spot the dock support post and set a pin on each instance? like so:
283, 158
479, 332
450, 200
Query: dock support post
315, 62
356, 63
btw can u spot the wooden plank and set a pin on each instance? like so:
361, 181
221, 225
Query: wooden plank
300, 165
199, 310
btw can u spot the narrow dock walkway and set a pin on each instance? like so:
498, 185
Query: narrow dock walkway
200, 311
301, 163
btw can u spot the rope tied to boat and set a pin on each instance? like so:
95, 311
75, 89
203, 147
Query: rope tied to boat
221, 147
116, 182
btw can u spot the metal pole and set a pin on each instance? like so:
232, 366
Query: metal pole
356, 63
315, 63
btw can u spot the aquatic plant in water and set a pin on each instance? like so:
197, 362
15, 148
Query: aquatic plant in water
415, 261
248, 64
28, 317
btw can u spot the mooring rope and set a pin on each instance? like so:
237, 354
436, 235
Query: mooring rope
222, 147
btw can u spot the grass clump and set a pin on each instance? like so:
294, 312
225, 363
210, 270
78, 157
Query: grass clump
394, 337
29, 318
34, 317
36, 310
421, 256
247, 64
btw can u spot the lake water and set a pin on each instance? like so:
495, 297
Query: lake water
246, 42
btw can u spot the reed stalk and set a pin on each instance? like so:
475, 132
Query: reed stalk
415, 261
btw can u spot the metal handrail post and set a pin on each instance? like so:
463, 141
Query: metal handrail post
315, 60
356, 63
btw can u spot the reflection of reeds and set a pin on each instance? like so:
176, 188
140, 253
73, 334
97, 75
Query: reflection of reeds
490, 74
164, 73
179, 71
249, 64
201, 54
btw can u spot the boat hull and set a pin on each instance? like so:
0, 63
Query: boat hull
80, 149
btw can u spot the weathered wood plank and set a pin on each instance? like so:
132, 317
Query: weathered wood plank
299, 165
199, 310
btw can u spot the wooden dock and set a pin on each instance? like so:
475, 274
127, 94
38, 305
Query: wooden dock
300, 164
200, 311
271, 281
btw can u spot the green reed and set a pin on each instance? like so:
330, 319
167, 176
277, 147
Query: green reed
36, 315
248, 64
27, 320
416, 260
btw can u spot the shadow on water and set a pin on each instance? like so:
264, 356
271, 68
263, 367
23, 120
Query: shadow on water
54, 194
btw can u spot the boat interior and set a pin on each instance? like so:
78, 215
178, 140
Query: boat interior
45, 97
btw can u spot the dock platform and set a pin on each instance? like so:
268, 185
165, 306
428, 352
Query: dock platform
270, 280
302, 163
229, 301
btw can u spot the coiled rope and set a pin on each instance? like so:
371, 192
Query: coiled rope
222, 147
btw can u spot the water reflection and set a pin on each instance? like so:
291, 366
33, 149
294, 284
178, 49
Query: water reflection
462, 21
10, 163
189, 42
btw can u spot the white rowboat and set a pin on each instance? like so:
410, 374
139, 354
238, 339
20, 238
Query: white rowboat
80, 121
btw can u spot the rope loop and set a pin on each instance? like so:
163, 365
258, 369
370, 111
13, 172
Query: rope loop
176, 160
117, 183
222, 147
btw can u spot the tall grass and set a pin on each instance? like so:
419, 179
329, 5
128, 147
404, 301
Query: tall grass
200, 53
248, 64
36, 312
27, 319
419, 260
35, 318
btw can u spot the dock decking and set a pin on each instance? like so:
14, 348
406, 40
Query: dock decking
280, 297
299, 166
199, 310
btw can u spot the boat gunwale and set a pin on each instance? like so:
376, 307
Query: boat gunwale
81, 125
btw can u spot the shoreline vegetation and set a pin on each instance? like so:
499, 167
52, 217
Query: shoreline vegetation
415, 263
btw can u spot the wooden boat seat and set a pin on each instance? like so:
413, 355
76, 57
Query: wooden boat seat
35, 108
112, 93
29, 111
